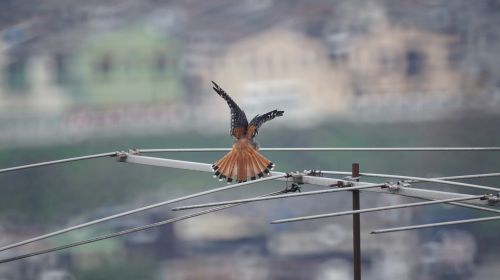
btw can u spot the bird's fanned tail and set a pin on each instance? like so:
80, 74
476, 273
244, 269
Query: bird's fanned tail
242, 163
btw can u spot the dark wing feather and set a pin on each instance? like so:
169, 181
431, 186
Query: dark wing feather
239, 121
259, 120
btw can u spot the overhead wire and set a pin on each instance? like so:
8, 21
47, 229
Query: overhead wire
66, 160
237, 202
137, 210
430, 180
325, 149
459, 222
124, 232
383, 208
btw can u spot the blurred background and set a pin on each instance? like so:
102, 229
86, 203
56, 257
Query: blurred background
84, 77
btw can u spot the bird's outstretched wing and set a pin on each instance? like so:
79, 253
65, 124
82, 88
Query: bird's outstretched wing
239, 121
259, 120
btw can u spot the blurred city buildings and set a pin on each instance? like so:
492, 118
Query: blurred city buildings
72, 71
144, 68
239, 245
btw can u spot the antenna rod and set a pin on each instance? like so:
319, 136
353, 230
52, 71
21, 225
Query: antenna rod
473, 186
471, 176
458, 177
228, 202
122, 214
487, 209
383, 208
436, 225
4, 170
328, 149
112, 154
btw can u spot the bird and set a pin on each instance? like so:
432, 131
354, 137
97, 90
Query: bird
244, 160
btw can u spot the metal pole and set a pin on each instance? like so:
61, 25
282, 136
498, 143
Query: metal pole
356, 226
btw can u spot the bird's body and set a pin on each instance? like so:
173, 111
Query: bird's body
244, 160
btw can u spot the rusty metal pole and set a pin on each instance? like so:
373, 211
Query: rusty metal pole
356, 227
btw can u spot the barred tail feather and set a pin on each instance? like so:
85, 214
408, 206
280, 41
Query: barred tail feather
242, 169
255, 168
229, 166
242, 163
249, 164
264, 164
232, 170
222, 166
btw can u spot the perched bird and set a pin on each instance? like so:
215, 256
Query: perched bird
244, 160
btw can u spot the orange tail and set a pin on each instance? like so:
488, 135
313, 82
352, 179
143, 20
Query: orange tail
241, 163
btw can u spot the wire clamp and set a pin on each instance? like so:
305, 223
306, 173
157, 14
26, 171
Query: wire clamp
134, 151
313, 172
492, 198
404, 184
293, 188
351, 179
121, 156
343, 184
393, 187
